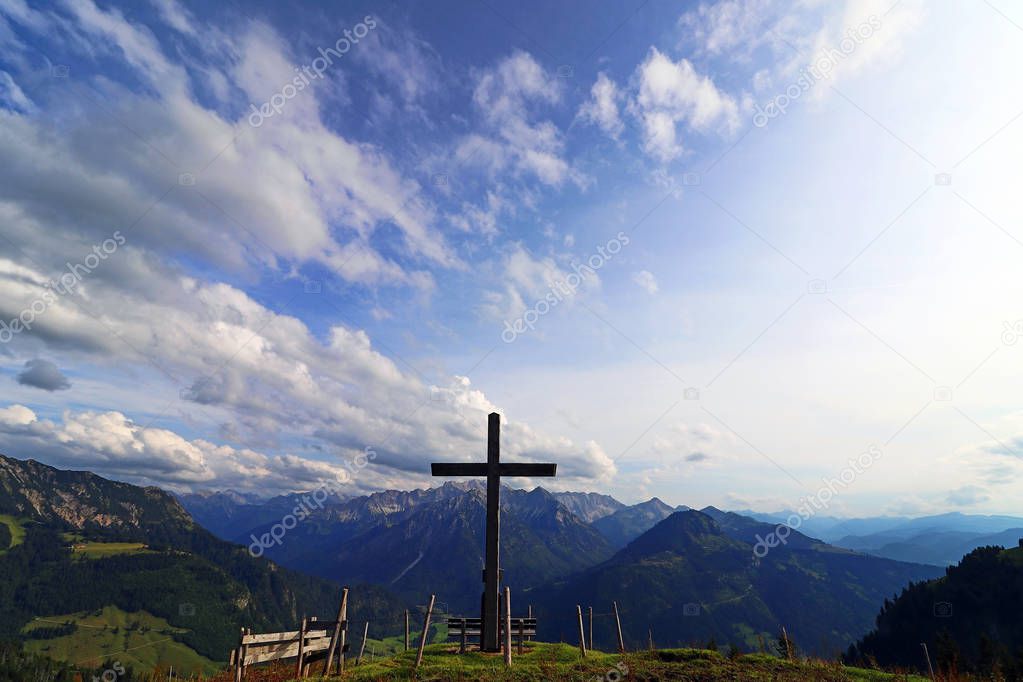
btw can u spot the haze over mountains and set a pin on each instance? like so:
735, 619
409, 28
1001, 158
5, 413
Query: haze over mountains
940, 539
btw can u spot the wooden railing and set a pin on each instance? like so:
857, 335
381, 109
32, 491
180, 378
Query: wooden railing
315, 640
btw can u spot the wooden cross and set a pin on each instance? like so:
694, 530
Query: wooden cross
493, 470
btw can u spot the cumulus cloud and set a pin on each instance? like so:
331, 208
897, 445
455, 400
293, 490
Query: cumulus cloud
509, 97
732, 27
43, 374
14, 416
673, 96
266, 201
262, 374
601, 108
289, 193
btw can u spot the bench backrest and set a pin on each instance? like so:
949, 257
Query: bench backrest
473, 626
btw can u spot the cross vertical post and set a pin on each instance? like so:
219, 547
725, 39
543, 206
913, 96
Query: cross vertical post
492, 572
490, 639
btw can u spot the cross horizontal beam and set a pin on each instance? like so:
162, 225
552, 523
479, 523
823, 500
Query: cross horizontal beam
528, 469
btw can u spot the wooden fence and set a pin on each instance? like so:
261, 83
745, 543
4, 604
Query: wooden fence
314, 641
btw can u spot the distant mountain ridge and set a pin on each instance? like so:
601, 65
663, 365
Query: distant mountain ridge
628, 523
589, 506
432, 541
689, 578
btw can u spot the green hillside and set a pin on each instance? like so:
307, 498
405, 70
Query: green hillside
137, 640
85, 544
689, 579
970, 619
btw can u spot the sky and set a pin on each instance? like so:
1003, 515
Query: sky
733, 253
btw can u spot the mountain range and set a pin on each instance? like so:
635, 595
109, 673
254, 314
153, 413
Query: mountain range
940, 539
694, 577
654, 559
74, 542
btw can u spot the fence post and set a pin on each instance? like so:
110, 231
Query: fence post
406, 629
301, 648
529, 613
426, 630
591, 628
507, 626
582, 635
362, 649
343, 642
337, 632
243, 652
618, 625
927, 655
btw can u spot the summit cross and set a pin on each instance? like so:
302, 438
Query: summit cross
493, 469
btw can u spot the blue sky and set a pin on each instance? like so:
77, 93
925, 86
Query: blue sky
802, 222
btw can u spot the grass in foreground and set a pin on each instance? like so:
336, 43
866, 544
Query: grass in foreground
562, 662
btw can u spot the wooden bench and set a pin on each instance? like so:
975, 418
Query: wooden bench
464, 628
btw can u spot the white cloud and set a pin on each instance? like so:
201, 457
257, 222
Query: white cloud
16, 416
526, 279
601, 108
289, 193
673, 97
176, 16
292, 191
508, 97
263, 375
646, 280
482, 219
12, 95
733, 27
405, 61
